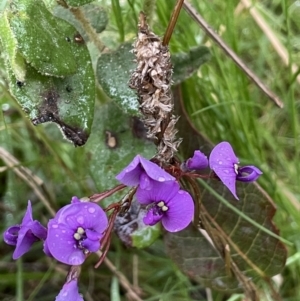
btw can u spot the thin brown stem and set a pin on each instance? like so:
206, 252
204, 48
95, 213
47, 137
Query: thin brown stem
172, 22
214, 36
97, 197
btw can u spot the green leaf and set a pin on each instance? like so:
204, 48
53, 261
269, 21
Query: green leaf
78, 2
186, 64
67, 101
114, 70
115, 140
9, 46
113, 73
196, 257
42, 39
93, 12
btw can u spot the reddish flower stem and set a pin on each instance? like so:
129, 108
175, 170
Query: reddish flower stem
97, 197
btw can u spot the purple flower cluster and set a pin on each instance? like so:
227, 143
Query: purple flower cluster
225, 164
77, 228
160, 192
74, 232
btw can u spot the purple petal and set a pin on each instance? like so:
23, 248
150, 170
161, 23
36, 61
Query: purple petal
24, 242
198, 161
155, 172
151, 218
159, 192
62, 245
92, 243
46, 249
180, 213
38, 230
88, 215
75, 199
10, 236
222, 161
28, 215
248, 173
131, 174
69, 292
145, 182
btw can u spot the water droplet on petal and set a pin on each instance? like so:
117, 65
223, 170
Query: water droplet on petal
80, 220
55, 226
226, 171
161, 179
220, 162
91, 210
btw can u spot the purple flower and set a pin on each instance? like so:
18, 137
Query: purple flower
198, 161
166, 203
69, 292
143, 172
248, 173
75, 231
224, 163
24, 235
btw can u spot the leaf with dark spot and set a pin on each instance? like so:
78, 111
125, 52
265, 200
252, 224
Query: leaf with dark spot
67, 101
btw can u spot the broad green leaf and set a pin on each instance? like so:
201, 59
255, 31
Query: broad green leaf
9, 46
186, 64
78, 2
42, 39
114, 69
93, 12
253, 254
67, 101
113, 73
197, 258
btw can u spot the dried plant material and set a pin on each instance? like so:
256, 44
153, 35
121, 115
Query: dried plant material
152, 80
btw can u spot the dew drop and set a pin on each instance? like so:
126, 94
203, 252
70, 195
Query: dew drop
80, 219
161, 179
91, 210
55, 226
220, 162
226, 171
